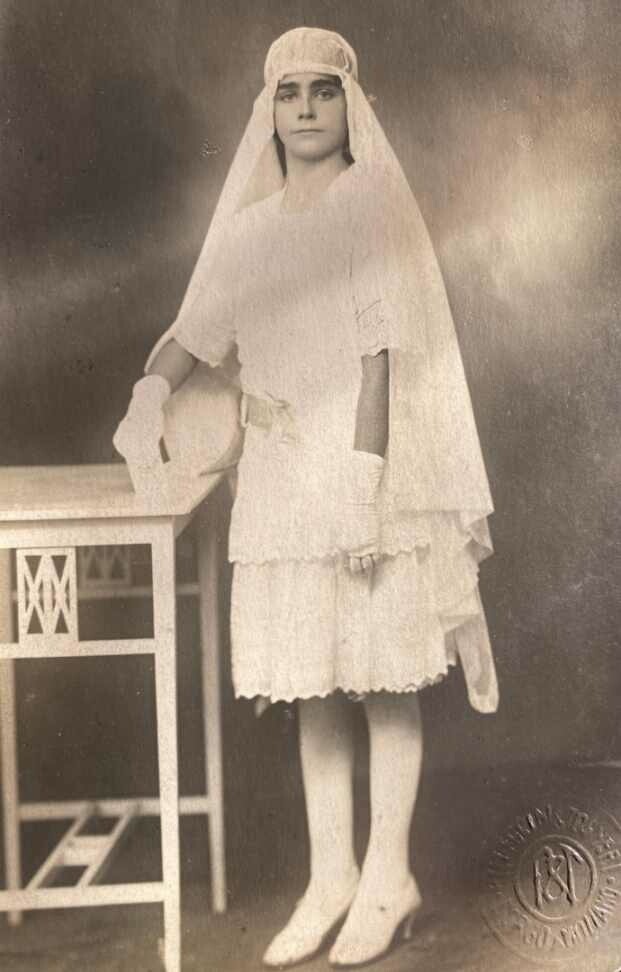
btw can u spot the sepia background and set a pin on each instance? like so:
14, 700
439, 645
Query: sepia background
119, 124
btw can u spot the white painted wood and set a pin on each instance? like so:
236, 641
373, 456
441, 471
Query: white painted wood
91, 492
104, 567
144, 892
212, 722
8, 744
164, 611
46, 597
103, 854
57, 857
149, 807
86, 506
181, 522
77, 533
137, 591
65, 648
83, 849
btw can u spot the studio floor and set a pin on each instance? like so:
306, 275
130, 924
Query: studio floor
459, 820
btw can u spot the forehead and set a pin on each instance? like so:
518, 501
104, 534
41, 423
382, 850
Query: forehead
307, 77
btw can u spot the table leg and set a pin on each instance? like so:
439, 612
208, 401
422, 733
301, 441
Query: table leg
210, 660
166, 702
10, 786
8, 734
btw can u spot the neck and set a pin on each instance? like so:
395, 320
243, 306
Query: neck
306, 181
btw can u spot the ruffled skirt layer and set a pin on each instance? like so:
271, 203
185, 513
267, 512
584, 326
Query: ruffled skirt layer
307, 627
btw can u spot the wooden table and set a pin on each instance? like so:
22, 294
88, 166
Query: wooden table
45, 514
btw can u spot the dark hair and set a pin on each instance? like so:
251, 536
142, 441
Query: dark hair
280, 148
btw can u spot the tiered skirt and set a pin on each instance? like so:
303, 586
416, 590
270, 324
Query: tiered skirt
309, 627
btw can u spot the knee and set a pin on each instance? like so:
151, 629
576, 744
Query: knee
392, 707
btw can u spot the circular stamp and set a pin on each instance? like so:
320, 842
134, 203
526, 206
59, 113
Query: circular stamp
553, 882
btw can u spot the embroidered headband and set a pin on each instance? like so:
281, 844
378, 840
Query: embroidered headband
310, 49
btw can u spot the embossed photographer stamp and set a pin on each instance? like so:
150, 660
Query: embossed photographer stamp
553, 882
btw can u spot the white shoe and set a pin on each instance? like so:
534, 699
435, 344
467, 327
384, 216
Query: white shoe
316, 915
372, 925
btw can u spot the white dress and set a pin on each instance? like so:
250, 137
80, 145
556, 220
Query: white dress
298, 296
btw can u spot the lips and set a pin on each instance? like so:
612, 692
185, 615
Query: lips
306, 131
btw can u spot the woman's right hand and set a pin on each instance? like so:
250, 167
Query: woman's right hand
139, 432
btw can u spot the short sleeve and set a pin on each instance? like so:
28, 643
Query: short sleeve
205, 325
383, 285
369, 300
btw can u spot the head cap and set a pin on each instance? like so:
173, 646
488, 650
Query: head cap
310, 49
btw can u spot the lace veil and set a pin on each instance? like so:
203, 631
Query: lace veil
434, 460
434, 454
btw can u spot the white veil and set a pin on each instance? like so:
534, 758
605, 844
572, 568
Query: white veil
434, 460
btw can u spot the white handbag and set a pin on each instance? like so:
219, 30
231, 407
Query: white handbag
202, 434
202, 429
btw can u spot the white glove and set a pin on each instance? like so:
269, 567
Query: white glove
358, 533
138, 434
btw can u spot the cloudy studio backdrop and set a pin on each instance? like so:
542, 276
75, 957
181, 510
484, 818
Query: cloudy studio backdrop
119, 123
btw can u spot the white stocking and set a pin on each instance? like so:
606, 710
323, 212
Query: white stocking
387, 895
327, 755
396, 751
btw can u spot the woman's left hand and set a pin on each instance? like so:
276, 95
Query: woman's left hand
358, 534
363, 565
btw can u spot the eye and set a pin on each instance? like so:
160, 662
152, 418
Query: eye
326, 94
285, 96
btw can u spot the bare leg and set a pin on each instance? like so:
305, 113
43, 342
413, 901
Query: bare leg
327, 754
387, 894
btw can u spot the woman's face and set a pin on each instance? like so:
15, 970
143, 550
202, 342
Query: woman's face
310, 115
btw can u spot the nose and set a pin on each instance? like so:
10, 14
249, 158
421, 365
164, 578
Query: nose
307, 109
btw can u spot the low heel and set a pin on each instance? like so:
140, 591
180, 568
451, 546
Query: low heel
370, 931
301, 939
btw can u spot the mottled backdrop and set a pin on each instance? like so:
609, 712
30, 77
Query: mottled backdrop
118, 125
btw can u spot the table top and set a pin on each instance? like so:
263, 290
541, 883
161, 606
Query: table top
94, 491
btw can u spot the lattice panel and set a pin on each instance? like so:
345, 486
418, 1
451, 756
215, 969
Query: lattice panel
47, 603
104, 567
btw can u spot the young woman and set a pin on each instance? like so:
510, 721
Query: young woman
360, 514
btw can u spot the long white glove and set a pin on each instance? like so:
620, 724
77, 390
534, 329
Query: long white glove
139, 432
358, 533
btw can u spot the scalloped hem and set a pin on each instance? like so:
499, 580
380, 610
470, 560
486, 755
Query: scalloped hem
263, 700
321, 557
472, 527
423, 615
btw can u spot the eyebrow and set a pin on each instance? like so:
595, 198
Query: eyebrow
319, 83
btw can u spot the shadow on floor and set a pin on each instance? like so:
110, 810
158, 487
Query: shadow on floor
459, 820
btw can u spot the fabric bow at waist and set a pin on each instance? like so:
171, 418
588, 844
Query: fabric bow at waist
271, 414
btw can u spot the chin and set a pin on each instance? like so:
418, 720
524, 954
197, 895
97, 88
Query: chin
312, 153
309, 156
